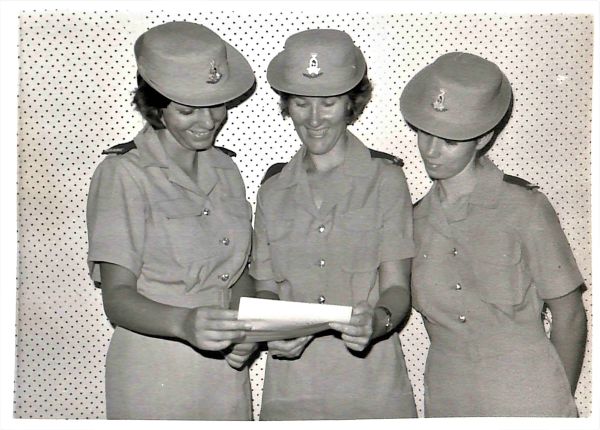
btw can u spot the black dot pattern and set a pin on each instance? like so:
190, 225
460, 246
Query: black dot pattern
77, 72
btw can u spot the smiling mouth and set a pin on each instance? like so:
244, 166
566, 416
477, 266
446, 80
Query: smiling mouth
199, 134
432, 165
316, 132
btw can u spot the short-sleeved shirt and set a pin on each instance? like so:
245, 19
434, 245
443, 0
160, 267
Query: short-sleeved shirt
480, 276
334, 252
187, 241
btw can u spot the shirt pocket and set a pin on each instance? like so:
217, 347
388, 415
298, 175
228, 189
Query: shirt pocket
182, 221
499, 272
359, 237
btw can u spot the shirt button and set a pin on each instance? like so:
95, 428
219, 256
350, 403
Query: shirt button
454, 252
225, 241
321, 263
425, 256
206, 212
462, 318
321, 228
458, 287
321, 299
224, 277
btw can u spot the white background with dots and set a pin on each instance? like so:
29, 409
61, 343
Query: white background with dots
76, 73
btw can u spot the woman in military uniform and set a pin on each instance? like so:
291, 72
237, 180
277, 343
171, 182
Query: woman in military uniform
169, 236
490, 255
334, 225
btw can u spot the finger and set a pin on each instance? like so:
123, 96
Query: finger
221, 314
226, 325
230, 336
234, 362
355, 346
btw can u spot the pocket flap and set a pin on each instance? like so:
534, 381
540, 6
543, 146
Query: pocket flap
180, 208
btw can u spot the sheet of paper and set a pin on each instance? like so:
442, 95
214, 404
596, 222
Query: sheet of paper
279, 319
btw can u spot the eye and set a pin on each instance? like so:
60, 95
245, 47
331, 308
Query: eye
329, 102
300, 103
185, 111
451, 142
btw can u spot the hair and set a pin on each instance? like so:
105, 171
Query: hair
359, 96
497, 130
149, 102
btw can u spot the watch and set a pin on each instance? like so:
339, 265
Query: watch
388, 314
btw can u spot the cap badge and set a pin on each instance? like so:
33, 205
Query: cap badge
313, 70
213, 74
438, 103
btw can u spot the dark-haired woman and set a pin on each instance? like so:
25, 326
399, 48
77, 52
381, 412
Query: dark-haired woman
490, 255
169, 236
334, 225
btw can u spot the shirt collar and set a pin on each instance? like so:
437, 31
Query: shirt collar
489, 182
486, 192
152, 153
357, 162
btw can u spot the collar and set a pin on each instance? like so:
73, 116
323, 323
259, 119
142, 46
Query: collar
357, 162
486, 192
152, 153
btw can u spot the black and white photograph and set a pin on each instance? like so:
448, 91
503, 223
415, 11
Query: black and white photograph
334, 211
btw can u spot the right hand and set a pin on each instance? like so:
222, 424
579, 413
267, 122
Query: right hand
213, 329
289, 348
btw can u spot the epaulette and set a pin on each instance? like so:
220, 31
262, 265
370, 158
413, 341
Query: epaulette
378, 154
226, 151
518, 181
272, 171
121, 148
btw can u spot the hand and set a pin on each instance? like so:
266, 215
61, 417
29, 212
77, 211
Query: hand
239, 353
288, 348
358, 332
213, 329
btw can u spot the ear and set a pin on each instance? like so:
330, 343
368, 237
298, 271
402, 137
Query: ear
484, 140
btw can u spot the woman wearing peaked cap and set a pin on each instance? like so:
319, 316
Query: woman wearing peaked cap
334, 225
490, 255
169, 236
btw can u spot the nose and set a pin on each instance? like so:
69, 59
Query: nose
432, 146
205, 118
315, 116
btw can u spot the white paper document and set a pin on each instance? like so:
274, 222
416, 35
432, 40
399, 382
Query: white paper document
279, 319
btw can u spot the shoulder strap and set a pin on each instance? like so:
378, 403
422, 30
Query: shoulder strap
272, 171
226, 151
121, 148
518, 181
379, 154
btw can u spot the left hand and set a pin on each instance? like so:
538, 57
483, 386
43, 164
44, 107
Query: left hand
237, 355
358, 332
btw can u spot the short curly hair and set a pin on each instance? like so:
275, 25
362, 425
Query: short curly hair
359, 96
149, 102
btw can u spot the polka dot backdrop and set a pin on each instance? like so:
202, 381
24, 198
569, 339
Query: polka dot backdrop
77, 72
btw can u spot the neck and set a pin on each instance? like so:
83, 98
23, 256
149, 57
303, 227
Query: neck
185, 159
457, 187
330, 160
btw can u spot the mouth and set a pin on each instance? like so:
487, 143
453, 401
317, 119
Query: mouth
316, 132
199, 134
431, 165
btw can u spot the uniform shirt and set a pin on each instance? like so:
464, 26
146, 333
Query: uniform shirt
335, 251
480, 276
187, 241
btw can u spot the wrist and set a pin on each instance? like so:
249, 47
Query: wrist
382, 323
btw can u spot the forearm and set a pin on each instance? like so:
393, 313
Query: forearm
127, 308
244, 287
569, 337
397, 300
